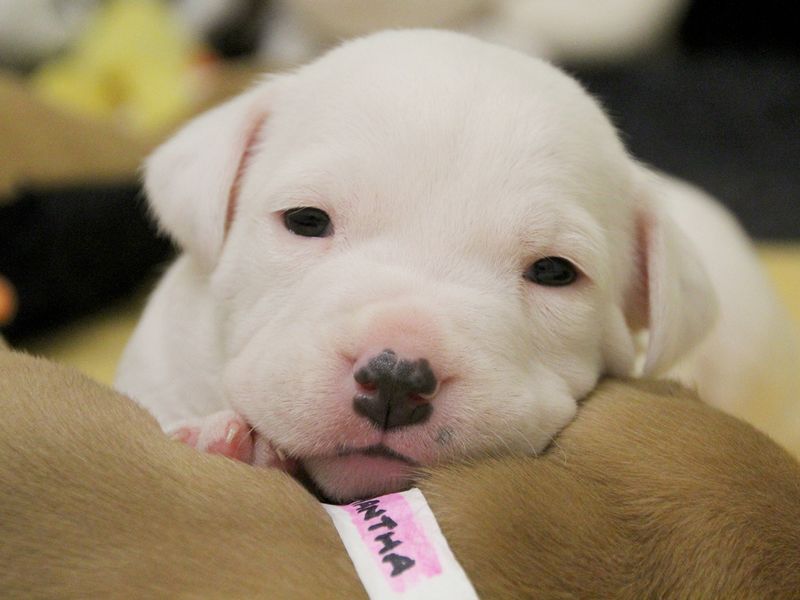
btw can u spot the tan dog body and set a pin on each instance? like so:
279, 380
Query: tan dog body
648, 493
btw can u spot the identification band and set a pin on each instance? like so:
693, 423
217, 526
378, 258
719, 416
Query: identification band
398, 549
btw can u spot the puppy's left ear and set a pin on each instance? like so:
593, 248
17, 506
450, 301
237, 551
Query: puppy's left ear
672, 295
192, 179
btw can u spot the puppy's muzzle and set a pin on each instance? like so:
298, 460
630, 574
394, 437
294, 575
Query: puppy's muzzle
395, 392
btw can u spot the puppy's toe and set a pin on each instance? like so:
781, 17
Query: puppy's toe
225, 433
235, 441
186, 434
228, 434
265, 454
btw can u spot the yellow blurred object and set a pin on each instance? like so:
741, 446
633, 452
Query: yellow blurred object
783, 264
134, 64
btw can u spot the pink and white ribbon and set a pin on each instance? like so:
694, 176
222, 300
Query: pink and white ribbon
398, 549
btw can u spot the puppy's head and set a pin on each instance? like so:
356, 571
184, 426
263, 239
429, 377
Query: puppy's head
421, 247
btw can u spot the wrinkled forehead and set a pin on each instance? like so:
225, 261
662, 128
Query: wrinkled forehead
506, 138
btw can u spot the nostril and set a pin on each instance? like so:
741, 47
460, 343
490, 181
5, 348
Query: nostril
367, 387
418, 399
364, 377
427, 386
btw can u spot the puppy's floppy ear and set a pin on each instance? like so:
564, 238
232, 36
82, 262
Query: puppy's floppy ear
192, 179
672, 295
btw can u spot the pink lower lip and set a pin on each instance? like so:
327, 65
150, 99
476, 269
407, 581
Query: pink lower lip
374, 462
357, 475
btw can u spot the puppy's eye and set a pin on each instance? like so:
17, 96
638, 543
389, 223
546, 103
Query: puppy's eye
552, 271
308, 221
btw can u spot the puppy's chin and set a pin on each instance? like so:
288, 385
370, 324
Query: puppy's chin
358, 476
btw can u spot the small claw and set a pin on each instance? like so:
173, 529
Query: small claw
231, 433
236, 444
266, 454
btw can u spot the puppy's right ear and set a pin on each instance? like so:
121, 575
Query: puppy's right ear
672, 295
192, 179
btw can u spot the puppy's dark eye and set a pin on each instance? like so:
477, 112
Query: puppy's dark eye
553, 271
308, 221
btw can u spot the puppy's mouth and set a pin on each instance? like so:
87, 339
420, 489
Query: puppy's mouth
351, 472
377, 450
283, 460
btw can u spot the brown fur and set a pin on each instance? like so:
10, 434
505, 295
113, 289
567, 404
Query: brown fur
647, 494
96, 503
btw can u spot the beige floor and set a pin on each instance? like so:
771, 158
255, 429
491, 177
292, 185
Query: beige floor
94, 345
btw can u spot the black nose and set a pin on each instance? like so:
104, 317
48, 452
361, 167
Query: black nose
394, 385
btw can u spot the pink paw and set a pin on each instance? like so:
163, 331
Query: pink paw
225, 433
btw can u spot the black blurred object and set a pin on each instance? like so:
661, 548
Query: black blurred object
724, 122
73, 250
722, 112
239, 36
744, 25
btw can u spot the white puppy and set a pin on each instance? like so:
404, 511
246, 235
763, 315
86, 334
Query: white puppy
422, 247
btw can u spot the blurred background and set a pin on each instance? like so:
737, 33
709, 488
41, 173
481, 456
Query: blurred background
708, 90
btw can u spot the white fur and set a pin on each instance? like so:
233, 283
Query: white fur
448, 166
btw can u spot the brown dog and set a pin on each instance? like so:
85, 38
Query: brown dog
648, 493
